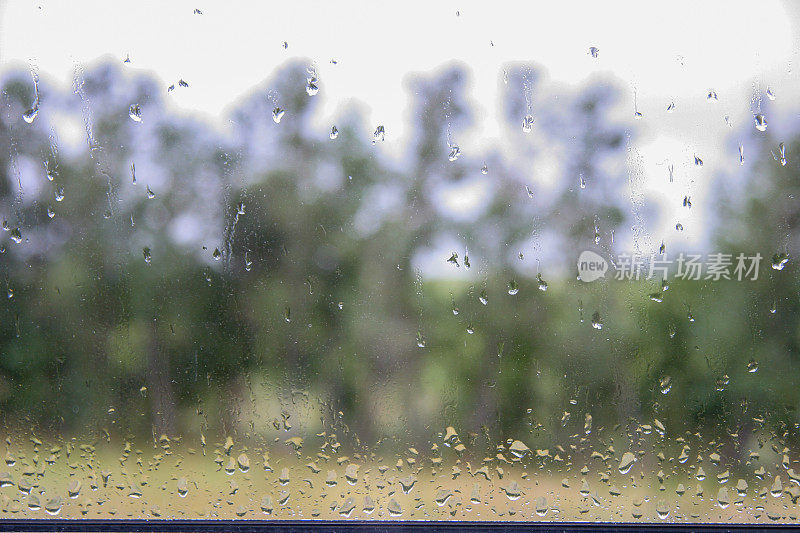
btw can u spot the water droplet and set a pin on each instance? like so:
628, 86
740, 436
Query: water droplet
483, 297
33, 502
450, 436
513, 288
379, 134
351, 473
512, 491
455, 152
442, 496
74, 488
287, 314
59, 194
216, 254
15, 235
741, 487
779, 261
244, 462
53, 506
723, 499
183, 487
594, 51
453, 259
334, 132
135, 112
394, 508
146, 254
240, 208
671, 107
741, 154
347, 507
679, 226
527, 123
665, 385
277, 114
777, 487
782, 150
626, 463
596, 321
770, 94
230, 466
752, 366
30, 115
518, 449
587, 423
698, 161
541, 506
712, 96
582, 181
542, 283
420, 340
484, 169
369, 505
761, 122
266, 505
311, 86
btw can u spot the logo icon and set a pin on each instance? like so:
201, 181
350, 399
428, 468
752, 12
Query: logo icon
591, 266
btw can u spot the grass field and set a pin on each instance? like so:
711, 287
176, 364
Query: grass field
237, 481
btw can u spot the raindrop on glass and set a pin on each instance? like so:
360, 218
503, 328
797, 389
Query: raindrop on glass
513, 288
527, 123
30, 115
311, 86
135, 113
379, 134
779, 261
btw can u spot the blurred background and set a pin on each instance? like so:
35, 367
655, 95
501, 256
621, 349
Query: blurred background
245, 220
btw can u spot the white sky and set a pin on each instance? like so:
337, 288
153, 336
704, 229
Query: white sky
676, 51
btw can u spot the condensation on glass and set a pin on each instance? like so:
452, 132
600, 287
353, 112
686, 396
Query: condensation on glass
547, 283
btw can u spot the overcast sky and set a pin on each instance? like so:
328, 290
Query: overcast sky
677, 52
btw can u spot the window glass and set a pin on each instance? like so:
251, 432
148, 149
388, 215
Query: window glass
430, 261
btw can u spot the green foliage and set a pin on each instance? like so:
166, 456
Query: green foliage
315, 283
